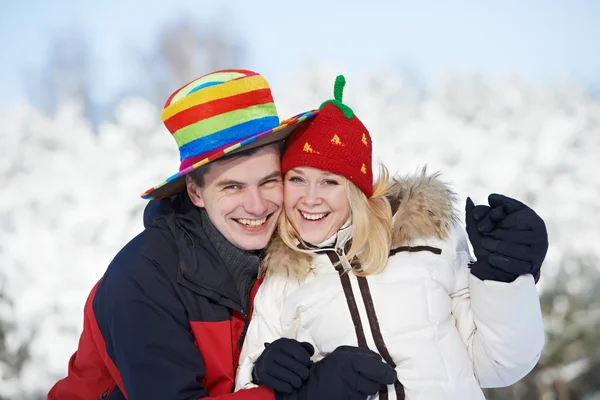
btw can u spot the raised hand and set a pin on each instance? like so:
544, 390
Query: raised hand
509, 239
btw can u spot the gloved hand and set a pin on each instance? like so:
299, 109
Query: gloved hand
284, 365
348, 372
509, 239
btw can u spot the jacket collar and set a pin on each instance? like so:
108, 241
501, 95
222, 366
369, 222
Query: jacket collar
202, 269
338, 240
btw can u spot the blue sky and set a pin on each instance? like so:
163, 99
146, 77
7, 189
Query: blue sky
537, 40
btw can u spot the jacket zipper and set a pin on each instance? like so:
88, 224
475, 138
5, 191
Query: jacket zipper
192, 280
108, 391
235, 307
374, 325
343, 260
186, 233
247, 315
244, 331
239, 308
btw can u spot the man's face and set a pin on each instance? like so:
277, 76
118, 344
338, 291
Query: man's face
243, 197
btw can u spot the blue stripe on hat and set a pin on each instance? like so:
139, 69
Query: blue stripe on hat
230, 135
207, 84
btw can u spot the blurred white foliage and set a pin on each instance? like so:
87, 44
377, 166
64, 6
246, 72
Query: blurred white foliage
70, 198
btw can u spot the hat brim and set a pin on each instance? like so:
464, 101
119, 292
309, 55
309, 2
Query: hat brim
175, 183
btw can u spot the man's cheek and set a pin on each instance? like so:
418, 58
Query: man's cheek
276, 195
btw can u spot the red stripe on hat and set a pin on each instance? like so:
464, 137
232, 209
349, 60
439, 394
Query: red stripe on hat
241, 71
217, 107
168, 102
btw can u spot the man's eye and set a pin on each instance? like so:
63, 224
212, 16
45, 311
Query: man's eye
231, 187
271, 181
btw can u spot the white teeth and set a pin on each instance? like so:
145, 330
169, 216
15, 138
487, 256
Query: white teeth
252, 222
314, 217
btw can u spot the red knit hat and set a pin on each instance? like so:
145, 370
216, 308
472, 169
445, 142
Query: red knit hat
335, 141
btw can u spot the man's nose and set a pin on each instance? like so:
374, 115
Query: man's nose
256, 204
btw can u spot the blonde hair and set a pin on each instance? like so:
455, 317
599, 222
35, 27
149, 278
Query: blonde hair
371, 225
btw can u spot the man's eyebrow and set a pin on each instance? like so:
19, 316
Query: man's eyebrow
228, 182
274, 174
231, 182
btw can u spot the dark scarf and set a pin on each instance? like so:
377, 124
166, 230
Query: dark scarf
241, 264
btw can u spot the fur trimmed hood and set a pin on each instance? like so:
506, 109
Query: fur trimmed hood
422, 206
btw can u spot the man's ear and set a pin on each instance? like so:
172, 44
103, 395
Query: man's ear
194, 192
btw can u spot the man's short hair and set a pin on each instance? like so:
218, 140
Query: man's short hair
198, 174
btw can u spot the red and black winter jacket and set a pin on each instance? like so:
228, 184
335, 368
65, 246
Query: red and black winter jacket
165, 321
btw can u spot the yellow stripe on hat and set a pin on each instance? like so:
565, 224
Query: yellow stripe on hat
216, 92
216, 77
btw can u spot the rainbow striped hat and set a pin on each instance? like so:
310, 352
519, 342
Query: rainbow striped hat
221, 113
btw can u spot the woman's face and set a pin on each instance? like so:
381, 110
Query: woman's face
315, 202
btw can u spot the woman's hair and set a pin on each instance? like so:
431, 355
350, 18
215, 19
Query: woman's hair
371, 226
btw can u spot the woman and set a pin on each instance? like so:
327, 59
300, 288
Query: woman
386, 266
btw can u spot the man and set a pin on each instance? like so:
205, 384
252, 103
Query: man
168, 318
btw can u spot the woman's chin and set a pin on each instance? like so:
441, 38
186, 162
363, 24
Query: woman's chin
313, 237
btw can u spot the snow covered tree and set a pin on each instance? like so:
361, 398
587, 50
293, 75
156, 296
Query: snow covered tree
70, 201
184, 51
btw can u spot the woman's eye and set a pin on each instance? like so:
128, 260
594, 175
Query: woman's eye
295, 179
330, 182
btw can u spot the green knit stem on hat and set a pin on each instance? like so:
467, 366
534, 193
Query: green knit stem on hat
338, 90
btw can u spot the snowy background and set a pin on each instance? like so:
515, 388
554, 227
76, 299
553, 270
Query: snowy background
74, 161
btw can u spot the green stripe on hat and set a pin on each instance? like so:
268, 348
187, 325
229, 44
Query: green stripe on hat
217, 123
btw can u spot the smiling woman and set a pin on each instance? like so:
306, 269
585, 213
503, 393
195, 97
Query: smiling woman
384, 266
315, 202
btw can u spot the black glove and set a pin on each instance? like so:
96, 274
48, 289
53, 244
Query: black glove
347, 373
284, 365
509, 239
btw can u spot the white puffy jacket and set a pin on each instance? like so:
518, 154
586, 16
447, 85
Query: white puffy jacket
446, 332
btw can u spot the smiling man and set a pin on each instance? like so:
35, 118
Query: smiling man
242, 194
168, 318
